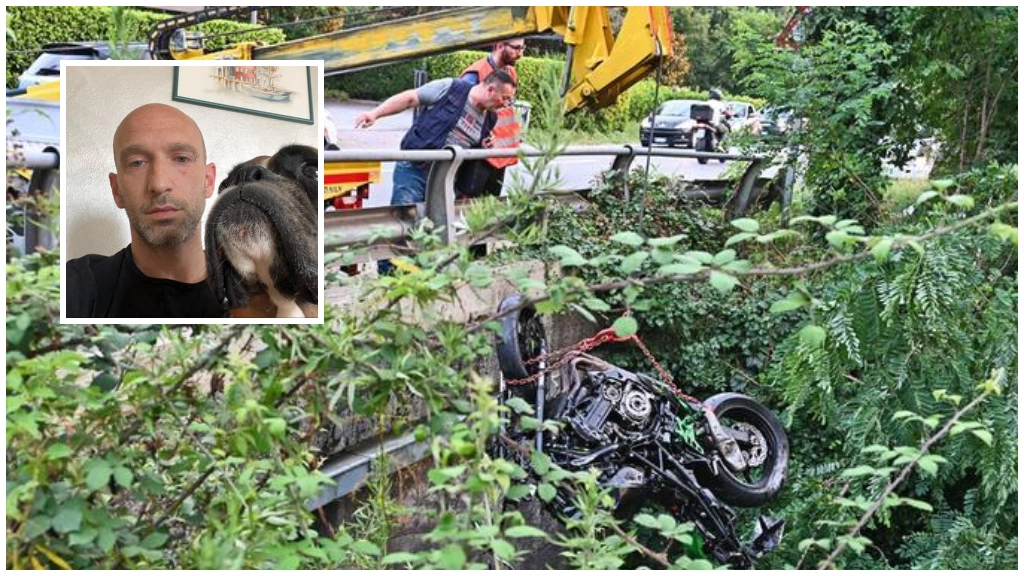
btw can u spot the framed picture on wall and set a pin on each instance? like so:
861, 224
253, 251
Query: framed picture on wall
279, 91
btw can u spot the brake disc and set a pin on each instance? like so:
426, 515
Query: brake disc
757, 453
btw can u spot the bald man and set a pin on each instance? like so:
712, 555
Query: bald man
162, 183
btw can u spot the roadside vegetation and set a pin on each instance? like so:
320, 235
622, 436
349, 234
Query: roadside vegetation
880, 323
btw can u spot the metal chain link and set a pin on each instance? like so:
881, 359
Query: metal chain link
587, 344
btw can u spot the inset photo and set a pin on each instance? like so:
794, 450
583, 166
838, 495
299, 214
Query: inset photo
191, 191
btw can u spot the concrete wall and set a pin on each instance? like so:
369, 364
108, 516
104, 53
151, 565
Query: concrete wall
97, 98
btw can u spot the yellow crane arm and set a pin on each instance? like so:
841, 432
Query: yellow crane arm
600, 65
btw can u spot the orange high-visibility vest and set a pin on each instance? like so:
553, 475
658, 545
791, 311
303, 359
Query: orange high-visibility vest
506, 132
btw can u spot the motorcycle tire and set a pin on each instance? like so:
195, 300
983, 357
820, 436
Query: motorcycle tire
522, 339
702, 145
756, 486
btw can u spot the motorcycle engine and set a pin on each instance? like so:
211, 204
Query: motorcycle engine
611, 408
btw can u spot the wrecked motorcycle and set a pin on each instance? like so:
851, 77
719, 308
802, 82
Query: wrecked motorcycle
649, 442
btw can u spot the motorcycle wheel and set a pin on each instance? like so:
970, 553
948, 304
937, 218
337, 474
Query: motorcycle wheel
766, 452
522, 339
702, 145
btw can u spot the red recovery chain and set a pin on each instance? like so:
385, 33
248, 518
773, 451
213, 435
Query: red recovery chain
604, 336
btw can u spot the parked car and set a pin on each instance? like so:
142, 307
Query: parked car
776, 121
46, 67
672, 124
744, 117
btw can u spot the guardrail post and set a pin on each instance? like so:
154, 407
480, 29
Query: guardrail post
787, 194
440, 199
36, 235
739, 204
621, 164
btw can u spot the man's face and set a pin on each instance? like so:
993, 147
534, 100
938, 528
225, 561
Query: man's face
512, 51
499, 95
161, 182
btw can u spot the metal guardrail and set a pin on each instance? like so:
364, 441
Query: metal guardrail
44, 165
391, 224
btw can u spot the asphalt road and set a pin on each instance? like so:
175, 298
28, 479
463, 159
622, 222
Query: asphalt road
575, 172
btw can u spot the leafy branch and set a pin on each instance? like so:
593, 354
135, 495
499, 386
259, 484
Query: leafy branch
990, 387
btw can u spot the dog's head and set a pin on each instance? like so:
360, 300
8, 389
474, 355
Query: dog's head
261, 235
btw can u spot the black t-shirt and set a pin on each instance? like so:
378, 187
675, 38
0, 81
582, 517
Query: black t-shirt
113, 287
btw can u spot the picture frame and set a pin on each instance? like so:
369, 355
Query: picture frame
269, 89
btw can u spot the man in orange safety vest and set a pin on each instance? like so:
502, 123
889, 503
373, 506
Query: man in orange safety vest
486, 177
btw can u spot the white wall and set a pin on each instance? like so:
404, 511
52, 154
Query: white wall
97, 98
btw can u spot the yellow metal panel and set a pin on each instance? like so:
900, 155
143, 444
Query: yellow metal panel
49, 92
603, 68
378, 44
240, 52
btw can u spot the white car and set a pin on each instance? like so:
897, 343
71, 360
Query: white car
745, 117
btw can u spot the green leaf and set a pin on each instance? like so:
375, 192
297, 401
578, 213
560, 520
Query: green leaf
154, 540
517, 492
916, 504
858, 471
540, 463
812, 335
776, 235
58, 451
965, 202
929, 466
525, 532
596, 304
700, 256
925, 196
646, 520
723, 282
740, 237
983, 435
1004, 232
633, 262
747, 224
546, 492
276, 426
738, 266
793, 301
941, 185
366, 548
625, 326
519, 406
685, 267
503, 549
97, 473
666, 242
724, 257
881, 250
439, 476
837, 238
567, 256
400, 558
452, 557
123, 477
628, 238
68, 519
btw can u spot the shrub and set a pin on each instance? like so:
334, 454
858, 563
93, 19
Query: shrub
35, 26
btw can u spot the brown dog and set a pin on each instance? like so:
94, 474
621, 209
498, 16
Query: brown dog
261, 236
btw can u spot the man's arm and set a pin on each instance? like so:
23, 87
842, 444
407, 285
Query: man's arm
398, 103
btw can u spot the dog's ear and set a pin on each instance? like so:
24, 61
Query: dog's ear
301, 164
227, 284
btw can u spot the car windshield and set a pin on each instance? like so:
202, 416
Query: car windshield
677, 108
739, 109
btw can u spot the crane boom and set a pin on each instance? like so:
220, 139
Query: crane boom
600, 64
